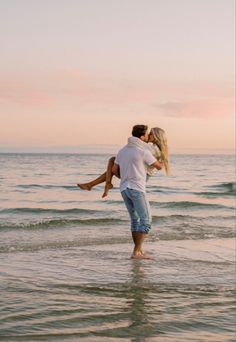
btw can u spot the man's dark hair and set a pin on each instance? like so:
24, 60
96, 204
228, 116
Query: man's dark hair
139, 130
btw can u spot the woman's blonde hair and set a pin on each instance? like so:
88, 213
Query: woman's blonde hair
160, 140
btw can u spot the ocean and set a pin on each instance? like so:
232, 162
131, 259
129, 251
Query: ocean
65, 267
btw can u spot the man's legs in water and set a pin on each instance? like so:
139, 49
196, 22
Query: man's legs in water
140, 216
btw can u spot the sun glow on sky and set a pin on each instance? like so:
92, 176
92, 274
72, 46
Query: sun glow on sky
84, 72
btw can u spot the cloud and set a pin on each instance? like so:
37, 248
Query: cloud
73, 90
24, 92
213, 108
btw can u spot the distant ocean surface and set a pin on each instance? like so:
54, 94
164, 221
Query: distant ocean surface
65, 267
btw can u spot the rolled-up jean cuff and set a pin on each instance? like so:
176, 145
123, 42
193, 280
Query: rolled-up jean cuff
144, 230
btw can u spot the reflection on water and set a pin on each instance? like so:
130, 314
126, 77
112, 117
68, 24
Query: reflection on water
138, 302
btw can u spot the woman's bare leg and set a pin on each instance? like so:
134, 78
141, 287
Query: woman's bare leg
89, 185
109, 176
105, 177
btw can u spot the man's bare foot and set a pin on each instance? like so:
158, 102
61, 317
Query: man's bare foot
85, 186
140, 256
108, 187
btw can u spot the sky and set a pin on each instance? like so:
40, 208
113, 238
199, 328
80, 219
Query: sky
83, 72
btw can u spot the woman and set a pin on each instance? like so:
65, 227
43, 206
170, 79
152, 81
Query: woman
158, 147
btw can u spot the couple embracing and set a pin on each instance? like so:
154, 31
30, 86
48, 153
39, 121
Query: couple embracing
145, 153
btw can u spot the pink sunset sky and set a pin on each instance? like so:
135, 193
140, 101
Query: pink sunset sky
75, 72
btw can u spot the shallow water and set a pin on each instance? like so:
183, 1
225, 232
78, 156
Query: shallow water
65, 267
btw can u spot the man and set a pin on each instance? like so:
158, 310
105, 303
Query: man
130, 164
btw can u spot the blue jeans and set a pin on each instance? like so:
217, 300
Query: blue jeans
139, 210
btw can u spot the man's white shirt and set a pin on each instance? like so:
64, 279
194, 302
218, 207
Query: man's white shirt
133, 162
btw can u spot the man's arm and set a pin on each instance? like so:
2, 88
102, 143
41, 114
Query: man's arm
158, 164
116, 170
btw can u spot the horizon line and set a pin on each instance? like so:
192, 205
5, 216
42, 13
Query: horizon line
103, 149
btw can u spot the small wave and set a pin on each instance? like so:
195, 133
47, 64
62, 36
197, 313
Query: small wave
229, 187
61, 223
185, 217
219, 190
189, 205
211, 194
31, 247
48, 186
47, 211
165, 189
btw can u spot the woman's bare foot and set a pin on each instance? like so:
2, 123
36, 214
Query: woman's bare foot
108, 187
85, 186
